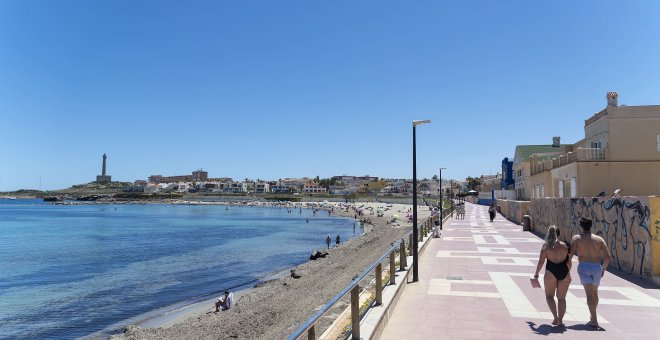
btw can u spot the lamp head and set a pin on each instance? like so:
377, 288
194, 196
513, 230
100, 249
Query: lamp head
420, 122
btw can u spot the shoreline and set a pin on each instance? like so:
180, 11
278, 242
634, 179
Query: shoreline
275, 306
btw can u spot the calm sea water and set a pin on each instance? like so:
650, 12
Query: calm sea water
69, 271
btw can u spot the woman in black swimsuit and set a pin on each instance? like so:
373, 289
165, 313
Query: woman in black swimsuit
557, 276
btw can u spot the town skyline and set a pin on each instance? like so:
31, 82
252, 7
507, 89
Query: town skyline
298, 89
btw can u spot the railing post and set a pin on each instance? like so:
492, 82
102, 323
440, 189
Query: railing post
392, 267
379, 284
311, 333
355, 312
402, 255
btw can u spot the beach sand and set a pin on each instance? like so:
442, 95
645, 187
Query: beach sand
275, 308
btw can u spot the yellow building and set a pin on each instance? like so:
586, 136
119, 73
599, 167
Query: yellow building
621, 150
373, 186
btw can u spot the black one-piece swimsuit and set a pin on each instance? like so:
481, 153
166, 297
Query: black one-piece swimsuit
559, 270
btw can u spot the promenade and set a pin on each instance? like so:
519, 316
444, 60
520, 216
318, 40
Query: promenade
474, 283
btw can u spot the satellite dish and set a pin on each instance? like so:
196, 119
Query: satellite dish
616, 193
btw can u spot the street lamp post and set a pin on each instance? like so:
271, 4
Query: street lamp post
415, 239
441, 205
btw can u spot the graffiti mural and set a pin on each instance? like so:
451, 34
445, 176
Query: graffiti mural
624, 223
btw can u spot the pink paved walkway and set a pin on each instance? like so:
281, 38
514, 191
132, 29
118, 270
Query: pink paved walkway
474, 284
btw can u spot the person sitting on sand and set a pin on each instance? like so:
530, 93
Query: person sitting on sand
225, 302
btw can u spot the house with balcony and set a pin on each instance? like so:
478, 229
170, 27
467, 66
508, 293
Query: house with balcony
313, 188
621, 150
522, 164
261, 187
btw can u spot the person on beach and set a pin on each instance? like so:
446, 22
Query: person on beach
557, 278
225, 302
593, 258
337, 240
327, 241
492, 211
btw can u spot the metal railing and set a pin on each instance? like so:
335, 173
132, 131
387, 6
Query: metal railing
309, 327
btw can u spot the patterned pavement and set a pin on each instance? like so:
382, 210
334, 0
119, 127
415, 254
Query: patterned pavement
474, 283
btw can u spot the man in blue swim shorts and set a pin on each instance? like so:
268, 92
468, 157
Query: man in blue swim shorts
591, 251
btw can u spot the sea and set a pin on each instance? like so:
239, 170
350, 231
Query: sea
69, 271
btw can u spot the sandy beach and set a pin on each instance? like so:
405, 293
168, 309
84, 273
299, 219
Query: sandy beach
275, 308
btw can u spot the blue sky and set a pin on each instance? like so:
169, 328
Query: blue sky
274, 89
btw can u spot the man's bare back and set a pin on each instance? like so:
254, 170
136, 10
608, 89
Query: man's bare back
589, 248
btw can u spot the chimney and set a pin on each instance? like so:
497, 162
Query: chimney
555, 142
612, 99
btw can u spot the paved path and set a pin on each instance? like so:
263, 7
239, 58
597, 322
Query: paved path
474, 283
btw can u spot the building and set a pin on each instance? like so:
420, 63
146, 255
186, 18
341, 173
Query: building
522, 168
621, 150
103, 178
507, 181
196, 176
313, 188
373, 186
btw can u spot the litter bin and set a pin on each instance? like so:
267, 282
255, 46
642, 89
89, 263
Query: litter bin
527, 223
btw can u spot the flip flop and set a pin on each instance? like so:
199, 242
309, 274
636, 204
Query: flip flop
593, 324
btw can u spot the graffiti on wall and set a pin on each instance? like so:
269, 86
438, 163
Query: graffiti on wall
622, 222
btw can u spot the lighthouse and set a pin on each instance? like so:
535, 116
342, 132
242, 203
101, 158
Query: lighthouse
103, 178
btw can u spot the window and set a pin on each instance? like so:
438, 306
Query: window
658, 140
596, 145
561, 188
573, 187
542, 191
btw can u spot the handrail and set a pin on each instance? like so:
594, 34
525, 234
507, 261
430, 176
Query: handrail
311, 321
341, 294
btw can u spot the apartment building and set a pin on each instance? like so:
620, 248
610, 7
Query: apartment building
621, 150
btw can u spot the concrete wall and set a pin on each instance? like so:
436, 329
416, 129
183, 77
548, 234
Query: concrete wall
635, 178
514, 210
625, 223
654, 204
632, 133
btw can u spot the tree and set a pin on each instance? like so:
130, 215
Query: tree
435, 177
473, 182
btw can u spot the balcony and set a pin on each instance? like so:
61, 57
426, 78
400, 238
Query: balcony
579, 155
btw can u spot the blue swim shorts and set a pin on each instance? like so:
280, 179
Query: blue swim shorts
590, 273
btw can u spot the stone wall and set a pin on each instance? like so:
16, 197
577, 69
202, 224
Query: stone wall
514, 210
625, 224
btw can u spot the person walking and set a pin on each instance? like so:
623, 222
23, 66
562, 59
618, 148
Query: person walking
557, 278
593, 258
337, 240
492, 211
327, 241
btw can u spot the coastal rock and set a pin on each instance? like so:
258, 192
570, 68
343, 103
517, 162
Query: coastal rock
131, 329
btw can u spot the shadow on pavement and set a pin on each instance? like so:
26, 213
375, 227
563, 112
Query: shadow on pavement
584, 327
546, 329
